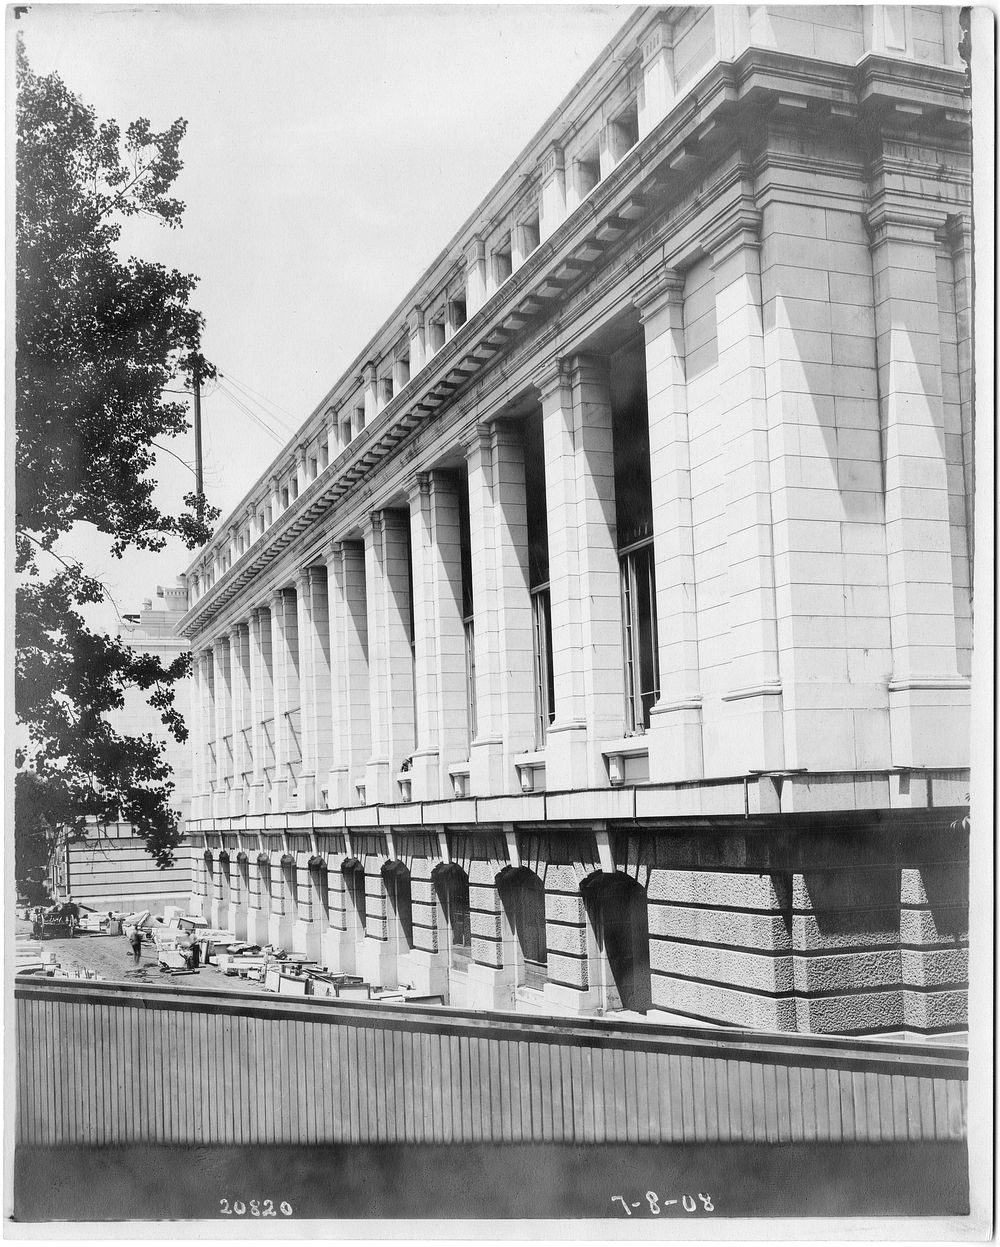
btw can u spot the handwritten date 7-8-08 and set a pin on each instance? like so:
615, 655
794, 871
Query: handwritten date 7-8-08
657, 1203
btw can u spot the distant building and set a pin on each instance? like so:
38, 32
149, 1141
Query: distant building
111, 868
602, 641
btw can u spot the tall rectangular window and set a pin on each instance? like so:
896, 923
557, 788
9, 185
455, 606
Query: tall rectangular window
634, 524
538, 577
468, 604
642, 674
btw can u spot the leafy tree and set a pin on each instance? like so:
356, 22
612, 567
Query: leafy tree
100, 343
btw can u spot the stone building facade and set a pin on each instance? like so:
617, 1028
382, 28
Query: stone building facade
602, 641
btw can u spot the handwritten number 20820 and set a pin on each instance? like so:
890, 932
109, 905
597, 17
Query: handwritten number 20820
257, 1208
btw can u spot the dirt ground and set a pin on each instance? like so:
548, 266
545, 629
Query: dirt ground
111, 957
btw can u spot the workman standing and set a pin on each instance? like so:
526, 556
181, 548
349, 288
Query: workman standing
72, 913
135, 939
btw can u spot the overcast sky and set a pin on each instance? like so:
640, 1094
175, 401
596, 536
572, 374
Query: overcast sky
331, 152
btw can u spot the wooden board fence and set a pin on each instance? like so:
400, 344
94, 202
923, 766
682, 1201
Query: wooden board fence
103, 1063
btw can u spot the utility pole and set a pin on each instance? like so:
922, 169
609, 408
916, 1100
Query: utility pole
199, 483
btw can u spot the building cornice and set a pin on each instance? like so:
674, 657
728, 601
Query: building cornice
657, 171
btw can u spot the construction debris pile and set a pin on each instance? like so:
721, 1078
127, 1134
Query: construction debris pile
31, 958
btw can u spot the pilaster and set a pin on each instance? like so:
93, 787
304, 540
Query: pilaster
348, 607
675, 731
387, 574
928, 699
748, 734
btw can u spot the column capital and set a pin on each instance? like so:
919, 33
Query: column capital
300, 453
235, 629
656, 38
476, 439
551, 376
372, 522
475, 250
303, 579
418, 486
888, 222
415, 319
738, 227
272, 480
657, 290
958, 230
251, 510
369, 371
551, 162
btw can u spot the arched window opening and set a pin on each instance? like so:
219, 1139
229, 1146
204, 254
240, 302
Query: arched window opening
452, 886
618, 914
264, 871
320, 882
290, 878
522, 895
397, 890
354, 886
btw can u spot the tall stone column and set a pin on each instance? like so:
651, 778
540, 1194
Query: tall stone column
223, 727
284, 691
242, 754
317, 702
387, 575
308, 720
502, 606
552, 201
436, 543
485, 749
202, 733
749, 734
928, 699
261, 707
415, 329
348, 607
583, 572
657, 91
675, 730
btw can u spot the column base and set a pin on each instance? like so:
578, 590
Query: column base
380, 786
279, 932
490, 987
747, 734
425, 775
676, 752
377, 962
277, 798
307, 939
566, 756
425, 972
571, 1001
929, 722
339, 952
306, 797
257, 927
338, 790
486, 768
256, 800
